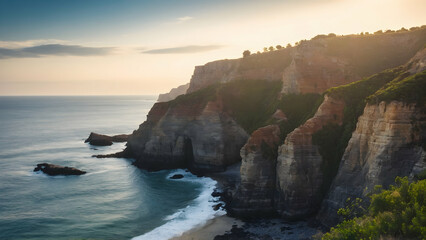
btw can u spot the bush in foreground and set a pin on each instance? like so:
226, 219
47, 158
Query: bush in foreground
396, 213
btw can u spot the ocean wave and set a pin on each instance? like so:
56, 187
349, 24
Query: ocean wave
195, 214
43, 175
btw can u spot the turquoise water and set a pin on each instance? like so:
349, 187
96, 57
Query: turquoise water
114, 200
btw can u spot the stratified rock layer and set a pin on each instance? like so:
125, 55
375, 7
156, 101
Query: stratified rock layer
195, 135
299, 174
255, 195
313, 71
385, 144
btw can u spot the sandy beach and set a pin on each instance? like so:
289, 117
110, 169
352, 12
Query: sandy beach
217, 226
225, 227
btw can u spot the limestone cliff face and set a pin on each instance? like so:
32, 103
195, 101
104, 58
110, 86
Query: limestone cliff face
299, 174
174, 92
255, 195
213, 72
385, 144
195, 135
268, 67
313, 71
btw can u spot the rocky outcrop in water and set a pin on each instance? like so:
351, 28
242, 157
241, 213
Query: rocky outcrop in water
96, 139
299, 173
386, 143
255, 195
174, 92
54, 170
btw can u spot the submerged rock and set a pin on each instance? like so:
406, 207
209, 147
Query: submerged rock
176, 176
217, 206
104, 140
53, 170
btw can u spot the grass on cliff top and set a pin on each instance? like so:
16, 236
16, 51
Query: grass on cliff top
276, 60
411, 89
396, 213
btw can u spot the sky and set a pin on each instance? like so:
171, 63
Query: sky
129, 47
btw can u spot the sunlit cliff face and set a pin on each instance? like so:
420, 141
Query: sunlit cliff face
148, 48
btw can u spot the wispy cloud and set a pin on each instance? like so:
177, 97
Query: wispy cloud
30, 43
184, 49
183, 19
53, 50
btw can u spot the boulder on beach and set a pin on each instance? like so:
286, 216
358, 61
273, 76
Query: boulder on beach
105, 140
54, 170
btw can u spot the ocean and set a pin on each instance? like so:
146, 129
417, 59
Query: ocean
114, 200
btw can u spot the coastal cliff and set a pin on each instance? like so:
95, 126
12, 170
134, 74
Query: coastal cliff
389, 140
173, 93
386, 144
316, 65
309, 159
301, 152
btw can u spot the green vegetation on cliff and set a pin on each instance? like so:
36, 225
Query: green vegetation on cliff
298, 108
201, 97
396, 213
410, 90
252, 104
333, 139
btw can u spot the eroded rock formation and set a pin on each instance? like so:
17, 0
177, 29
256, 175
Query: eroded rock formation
299, 174
386, 143
196, 135
255, 195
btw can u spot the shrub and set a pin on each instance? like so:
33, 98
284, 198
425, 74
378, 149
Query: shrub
399, 212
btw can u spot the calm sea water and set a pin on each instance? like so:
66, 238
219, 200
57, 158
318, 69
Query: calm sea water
114, 200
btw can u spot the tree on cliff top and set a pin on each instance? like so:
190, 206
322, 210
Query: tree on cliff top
246, 53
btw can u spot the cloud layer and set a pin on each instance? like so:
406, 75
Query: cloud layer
184, 19
53, 50
184, 49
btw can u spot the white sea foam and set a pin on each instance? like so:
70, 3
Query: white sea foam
195, 214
